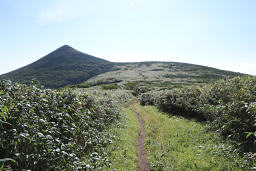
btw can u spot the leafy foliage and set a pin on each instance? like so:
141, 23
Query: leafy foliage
117, 96
229, 105
43, 129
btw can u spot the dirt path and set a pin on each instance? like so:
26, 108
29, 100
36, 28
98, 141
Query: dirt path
143, 166
130, 103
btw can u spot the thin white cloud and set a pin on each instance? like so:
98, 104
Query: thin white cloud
64, 11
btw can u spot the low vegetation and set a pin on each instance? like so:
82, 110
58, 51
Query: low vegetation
228, 105
176, 143
43, 129
82, 126
124, 150
153, 73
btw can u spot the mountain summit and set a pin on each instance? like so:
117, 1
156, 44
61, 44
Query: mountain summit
61, 67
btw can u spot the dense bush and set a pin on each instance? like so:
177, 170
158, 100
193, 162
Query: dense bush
150, 97
131, 85
117, 96
110, 86
229, 105
43, 129
137, 88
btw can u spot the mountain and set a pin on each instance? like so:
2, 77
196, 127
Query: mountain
161, 73
66, 66
61, 67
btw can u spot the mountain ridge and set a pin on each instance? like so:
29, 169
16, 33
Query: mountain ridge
66, 65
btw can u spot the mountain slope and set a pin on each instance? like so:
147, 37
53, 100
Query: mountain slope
61, 67
66, 66
161, 72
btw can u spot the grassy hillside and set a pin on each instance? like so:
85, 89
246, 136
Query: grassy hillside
62, 67
161, 72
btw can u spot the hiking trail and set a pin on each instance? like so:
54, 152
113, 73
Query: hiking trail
143, 166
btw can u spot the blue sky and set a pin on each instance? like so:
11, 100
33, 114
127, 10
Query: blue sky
216, 33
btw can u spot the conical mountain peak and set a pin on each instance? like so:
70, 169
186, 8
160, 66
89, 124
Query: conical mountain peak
61, 67
65, 47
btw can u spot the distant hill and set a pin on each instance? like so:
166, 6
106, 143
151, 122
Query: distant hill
163, 73
66, 66
61, 67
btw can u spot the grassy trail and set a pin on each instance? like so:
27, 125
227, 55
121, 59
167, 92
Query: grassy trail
173, 143
124, 152
142, 165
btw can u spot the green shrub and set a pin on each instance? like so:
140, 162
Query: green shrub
137, 87
131, 85
229, 105
150, 97
43, 129
110, 86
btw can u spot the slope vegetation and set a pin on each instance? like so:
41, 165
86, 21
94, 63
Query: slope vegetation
161, 72
62, 67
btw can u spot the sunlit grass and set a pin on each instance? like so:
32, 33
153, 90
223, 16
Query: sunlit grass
124, 151
175, 143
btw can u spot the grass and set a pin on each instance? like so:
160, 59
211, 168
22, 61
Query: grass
175, 143
124, 151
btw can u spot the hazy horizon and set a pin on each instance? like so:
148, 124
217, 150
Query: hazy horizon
219, 34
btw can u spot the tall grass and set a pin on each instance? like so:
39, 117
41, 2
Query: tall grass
176, 143
124, 150
229, 105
